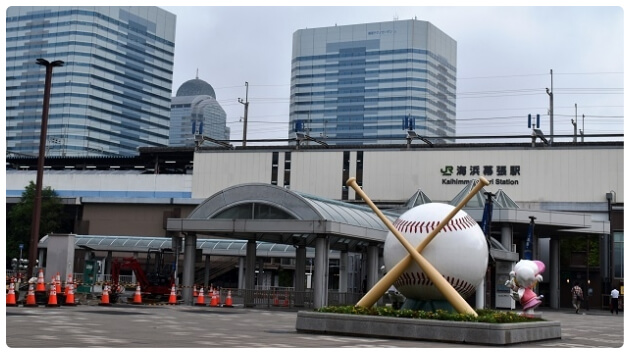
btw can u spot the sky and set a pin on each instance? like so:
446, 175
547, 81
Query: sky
506, 59
507, 56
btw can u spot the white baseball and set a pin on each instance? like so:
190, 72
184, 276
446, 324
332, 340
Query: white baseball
459, 251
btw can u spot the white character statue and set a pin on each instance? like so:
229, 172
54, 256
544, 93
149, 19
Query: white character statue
523, 279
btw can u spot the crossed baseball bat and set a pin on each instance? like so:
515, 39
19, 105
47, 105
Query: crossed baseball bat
451, 295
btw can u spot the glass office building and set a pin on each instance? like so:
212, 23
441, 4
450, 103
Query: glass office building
371, 83
195, 111
113, 93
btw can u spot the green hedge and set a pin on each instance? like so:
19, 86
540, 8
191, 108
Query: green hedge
483, 315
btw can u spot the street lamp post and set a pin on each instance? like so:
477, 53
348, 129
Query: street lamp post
37, 207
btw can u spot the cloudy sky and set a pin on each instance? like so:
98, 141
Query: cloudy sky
506, 58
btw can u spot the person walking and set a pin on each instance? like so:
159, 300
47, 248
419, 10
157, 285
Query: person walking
577, 296
614, 301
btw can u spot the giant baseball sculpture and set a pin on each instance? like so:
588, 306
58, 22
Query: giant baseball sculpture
443, 286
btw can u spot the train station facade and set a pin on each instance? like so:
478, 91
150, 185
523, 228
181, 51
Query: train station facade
297, 196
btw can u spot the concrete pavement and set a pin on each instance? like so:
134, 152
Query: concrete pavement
180, 326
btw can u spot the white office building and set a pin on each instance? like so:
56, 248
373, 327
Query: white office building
370, 83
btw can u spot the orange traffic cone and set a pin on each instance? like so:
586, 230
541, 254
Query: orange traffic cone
52, 296
286, 300
41, 284
276, 302
195, 292
58, 283
105, 297
214, 301
30, 296
137, 296
228, 299
201, 301
11, 295
70, 294
172, 299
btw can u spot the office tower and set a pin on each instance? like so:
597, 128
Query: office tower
113, 93
371, 83
195, 111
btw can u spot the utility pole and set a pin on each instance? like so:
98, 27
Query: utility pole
582, 131
37, 206
550, 93
246, 104
574, 122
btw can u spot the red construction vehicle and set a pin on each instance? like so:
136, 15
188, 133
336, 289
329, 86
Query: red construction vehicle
155, 280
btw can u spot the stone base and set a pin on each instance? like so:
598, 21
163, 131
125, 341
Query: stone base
426, 330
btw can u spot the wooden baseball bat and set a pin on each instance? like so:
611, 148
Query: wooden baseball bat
453, 297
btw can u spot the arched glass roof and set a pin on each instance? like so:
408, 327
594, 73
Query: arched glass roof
298, 205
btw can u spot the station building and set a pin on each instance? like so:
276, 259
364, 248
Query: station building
298, 196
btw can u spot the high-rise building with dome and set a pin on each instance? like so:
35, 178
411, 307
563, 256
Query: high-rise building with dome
113, 93
195, 111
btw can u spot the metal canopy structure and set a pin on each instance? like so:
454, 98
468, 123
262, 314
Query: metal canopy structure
268, 213
212, 247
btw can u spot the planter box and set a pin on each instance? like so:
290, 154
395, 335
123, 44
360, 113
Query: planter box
426, 330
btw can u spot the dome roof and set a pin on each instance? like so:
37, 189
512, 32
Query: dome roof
196, 87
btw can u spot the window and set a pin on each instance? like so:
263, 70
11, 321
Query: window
618, 254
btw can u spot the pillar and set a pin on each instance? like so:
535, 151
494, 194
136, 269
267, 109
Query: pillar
372, 266
320, 285
241, 272
343, 272
188, 274
554, 273
300, 275
250, 273
206, 272
175, 246
480, 295
506, 236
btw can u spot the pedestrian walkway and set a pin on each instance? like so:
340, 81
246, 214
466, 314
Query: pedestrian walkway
140, 326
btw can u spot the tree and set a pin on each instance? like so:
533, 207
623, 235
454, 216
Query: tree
20, 216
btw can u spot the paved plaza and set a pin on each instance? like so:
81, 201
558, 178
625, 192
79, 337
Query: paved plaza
180, 326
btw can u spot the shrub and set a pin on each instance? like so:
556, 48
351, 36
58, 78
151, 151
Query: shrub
483, 315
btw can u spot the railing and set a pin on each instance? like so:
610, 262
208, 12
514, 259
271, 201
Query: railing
284, 298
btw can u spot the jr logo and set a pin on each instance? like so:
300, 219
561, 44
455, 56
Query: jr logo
447, 170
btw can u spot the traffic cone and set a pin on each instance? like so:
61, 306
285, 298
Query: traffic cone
52, 295
195, 292
30, 296
137, 296
286, 300
105, 297
41, 284
11, 295
214, 302
228, 299
69, 294
201, 301
172, 299
58, 283
276, 302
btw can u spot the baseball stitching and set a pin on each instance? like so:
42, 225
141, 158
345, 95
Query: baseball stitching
412, 279
462, 223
